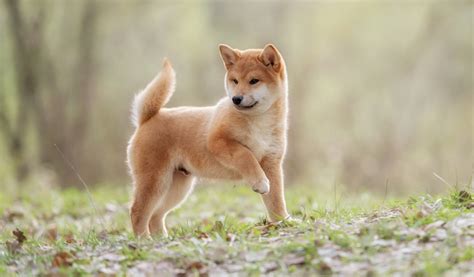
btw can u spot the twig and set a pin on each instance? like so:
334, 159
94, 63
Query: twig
456, 185
385, 193
441, 179
86, 187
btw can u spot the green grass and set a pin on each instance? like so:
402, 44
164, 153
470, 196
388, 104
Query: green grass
221, 230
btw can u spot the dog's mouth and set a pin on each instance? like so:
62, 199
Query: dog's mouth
247, 107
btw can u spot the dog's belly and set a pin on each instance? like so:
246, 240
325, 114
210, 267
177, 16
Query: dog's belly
206, 166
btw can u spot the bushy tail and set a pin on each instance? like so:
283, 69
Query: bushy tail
148, 102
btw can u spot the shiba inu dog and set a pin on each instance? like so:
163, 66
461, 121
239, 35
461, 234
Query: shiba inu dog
242, 137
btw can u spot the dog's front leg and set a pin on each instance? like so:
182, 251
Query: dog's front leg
275, 199
239, 158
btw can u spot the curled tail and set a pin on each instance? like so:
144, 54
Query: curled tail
148, 102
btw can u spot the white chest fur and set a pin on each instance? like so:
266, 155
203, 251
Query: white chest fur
264, 136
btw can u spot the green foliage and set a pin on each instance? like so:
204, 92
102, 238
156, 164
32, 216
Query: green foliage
69, 238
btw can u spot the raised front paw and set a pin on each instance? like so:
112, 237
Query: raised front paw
262, 186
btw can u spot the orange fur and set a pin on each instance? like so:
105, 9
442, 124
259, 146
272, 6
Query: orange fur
171, 147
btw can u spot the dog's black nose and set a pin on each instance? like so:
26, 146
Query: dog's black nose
237, 99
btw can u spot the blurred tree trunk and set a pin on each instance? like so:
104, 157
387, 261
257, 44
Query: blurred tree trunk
38, 90
26, 50
70, 110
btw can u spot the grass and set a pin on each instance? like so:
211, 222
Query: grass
221, 230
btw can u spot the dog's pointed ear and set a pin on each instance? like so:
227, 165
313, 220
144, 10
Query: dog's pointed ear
271, 57
229, 56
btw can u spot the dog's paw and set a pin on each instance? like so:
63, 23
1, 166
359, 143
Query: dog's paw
262, 186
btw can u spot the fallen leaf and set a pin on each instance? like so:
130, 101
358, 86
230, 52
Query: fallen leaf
421, 213
465, 221
69, 238
323, 266
52, 233
269, 267
464, 196
162, 268
264, 229
62, 259
10, 216
383, 243
19, 235
203, 235
114, 232
218, 227
425, 238
103, 235
234, 267
13, 247
230, 237
200, 267
328, 251
294, 260
434, 225
255, 256
113, 257
318, 243
132, 246
439, 235
111, 270
218, 255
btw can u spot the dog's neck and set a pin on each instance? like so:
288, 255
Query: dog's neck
280, 106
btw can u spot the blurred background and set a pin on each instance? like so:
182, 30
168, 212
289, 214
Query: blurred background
381, 92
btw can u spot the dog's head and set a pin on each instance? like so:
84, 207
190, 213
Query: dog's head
255, 78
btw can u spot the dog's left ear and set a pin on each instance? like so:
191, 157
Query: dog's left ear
271, 57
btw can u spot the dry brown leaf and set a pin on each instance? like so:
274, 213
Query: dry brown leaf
114, 232
103, 235
62, 259
52, 233
132, 246
13, 247
318, 243
264, 229
421, 213
230, 237
200, 267
203, 235
464, 196
323, 266
69, 238
10, 216
19, 235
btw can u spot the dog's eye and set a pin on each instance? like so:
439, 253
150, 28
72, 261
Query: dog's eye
235, 81
254, 81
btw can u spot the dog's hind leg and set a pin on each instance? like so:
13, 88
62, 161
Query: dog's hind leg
178, 191
150, 190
